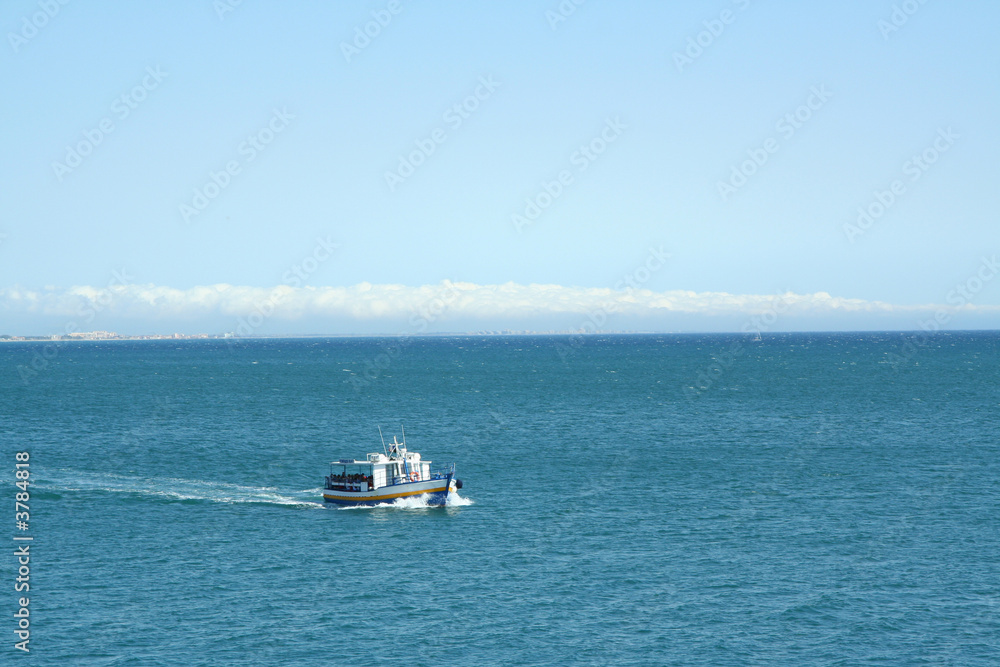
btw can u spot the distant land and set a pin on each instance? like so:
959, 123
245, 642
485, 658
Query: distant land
108, 335
111, 335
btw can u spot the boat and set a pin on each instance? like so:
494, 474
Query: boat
386, 476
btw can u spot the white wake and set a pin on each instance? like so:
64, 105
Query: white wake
413, 503
174, 488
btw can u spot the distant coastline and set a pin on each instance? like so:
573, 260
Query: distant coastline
110, 335
91, 336
106, 335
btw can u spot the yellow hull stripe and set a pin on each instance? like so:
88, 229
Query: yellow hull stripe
386, 497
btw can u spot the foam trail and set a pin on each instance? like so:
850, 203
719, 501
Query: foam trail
178, 489
455, 500
413, 503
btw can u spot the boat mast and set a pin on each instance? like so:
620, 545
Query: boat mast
383, 442
406, 464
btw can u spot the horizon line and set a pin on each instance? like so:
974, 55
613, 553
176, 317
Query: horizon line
57, 338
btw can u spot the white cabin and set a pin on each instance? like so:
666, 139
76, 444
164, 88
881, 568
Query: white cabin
378, 470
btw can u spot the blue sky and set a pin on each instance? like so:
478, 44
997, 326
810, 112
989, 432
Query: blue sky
552, 148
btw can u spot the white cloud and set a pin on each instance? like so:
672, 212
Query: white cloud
429, 303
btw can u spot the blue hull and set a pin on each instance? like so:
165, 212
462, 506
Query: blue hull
437, 498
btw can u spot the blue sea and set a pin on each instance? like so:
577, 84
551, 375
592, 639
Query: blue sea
804, 499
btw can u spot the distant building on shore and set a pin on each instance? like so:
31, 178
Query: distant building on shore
92, 335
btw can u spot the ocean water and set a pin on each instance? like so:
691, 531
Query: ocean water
805, 499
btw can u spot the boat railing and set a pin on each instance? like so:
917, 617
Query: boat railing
405, 479
438, 472
349, 487
442, 471
349, 482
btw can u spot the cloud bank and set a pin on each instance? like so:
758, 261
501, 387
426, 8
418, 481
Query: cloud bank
434, 307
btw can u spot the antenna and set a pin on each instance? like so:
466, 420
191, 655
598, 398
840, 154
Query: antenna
404, 434
383, 442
